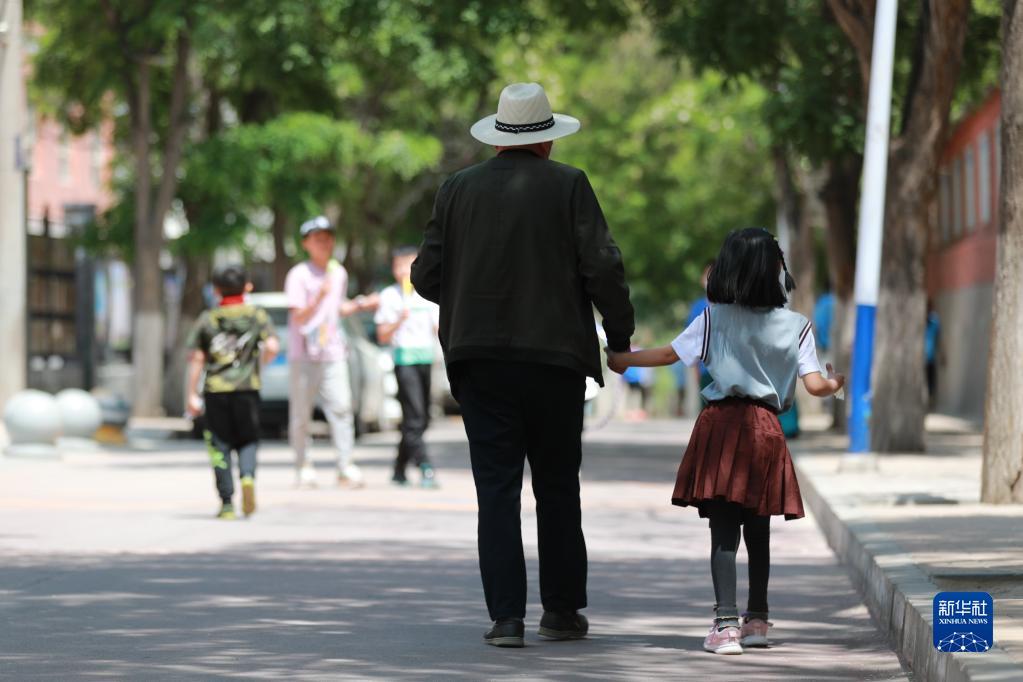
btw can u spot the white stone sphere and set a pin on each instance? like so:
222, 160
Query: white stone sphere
80, 413
32, 417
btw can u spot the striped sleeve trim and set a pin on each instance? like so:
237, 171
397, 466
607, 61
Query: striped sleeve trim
806, 332
706, 335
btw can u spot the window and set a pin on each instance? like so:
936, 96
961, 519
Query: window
998, 160
64, 157
957, 198
971, 190
97, 159
984, 177
945, 206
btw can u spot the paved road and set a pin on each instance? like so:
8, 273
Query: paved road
112, 565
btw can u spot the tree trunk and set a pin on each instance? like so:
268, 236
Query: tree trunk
1002, 477
147, 344
839, 195
197, 273
281, 261
843, 331
178, 117
794, 233
899, 395
802, 256
899, 385
856, 19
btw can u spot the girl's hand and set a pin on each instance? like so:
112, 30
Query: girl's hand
837, 381
615, 363
820, 386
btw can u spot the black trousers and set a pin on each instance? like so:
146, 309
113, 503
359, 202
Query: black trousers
728, 521
414, 396
231, 423
514, 412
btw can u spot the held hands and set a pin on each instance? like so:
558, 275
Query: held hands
615, 362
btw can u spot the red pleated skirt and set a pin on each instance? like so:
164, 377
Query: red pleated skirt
738, 453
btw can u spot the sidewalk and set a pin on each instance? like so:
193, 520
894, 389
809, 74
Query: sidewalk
112, 565
914, 526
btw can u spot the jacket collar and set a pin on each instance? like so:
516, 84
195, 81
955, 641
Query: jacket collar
517, 153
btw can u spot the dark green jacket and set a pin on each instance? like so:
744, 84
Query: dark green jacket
517, 253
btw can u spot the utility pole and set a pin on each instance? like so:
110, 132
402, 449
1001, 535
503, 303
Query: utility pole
871, 228
13, 163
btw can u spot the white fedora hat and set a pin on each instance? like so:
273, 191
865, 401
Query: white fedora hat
523, 116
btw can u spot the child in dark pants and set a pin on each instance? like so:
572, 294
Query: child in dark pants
226, 343
408, 323
737, 470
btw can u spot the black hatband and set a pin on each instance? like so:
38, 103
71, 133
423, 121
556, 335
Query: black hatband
517, 128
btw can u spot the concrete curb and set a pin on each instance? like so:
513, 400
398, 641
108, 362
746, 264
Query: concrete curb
899, 596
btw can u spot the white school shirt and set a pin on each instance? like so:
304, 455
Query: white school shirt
413, 341
750, 353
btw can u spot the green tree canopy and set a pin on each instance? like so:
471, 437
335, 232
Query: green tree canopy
677, 159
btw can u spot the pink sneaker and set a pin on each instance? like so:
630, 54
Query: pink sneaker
723, 641
754, 632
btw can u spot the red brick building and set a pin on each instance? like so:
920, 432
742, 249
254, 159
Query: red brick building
961, 263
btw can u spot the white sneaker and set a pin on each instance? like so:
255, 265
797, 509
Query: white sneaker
723, 641
306, 476
350, 476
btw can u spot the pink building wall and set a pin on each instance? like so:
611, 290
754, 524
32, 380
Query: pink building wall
68, 170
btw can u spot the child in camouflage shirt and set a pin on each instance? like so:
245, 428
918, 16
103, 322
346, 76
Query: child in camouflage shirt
226, 343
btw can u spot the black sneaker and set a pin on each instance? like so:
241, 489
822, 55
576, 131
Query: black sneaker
506, 632
563, 625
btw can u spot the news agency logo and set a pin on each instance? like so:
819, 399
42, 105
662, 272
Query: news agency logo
964, 622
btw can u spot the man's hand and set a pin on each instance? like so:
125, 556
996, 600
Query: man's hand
615, 363
193, 405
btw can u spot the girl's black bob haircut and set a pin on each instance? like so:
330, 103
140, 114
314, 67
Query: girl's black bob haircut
747, 271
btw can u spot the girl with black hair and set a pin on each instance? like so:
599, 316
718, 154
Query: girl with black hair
737, 470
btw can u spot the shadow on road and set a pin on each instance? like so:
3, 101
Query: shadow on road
362, 610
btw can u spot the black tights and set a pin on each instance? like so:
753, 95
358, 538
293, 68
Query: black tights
726, 522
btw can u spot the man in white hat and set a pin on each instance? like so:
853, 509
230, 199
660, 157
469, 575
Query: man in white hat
517, 254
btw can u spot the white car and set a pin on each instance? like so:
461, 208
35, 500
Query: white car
371, 371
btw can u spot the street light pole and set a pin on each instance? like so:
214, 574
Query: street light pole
871, 225
12, 202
